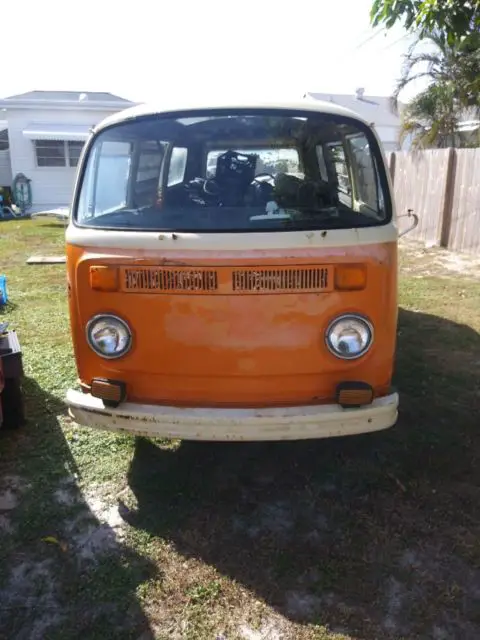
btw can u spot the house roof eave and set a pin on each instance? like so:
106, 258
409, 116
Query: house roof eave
64, 105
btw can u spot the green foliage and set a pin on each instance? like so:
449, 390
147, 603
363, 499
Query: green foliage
454, 26
202, 593
455, 19
430, 118
452, 94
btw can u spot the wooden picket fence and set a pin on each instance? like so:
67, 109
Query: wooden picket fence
442, 186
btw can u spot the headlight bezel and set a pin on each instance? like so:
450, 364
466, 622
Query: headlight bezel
349, 316
109, 317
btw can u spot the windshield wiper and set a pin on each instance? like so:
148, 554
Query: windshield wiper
328, 212
123, 211
136, 211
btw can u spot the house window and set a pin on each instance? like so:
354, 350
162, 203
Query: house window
57, 153
4, 146
74, 151
50, 153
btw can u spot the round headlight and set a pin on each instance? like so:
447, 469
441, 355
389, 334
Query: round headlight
109, 336
349, 336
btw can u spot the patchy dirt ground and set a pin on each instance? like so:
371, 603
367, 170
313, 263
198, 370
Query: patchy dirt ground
32, 591
375, 537
420, 261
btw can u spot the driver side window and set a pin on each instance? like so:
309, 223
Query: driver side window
106, 185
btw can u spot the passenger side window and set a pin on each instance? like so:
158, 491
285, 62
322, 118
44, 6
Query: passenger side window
340, 166
178, 165
321, 163
151, 154
365, 172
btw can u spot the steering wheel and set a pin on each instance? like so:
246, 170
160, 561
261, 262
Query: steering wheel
263, 175
211, 187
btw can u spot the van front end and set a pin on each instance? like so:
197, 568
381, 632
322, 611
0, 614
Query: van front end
232, 275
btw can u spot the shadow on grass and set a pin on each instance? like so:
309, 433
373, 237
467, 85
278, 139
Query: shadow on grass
372, 535
8, 217
55, 225
7, 308
63, 573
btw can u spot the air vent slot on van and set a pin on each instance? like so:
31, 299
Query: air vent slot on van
169, 280
281, 280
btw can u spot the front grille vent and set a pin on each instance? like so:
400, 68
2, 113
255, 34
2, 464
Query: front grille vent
170, 280
278, 280
227, 281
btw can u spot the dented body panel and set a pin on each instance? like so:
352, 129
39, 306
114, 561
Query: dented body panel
230, 348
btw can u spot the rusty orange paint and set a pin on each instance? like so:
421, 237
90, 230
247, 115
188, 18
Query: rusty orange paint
236, 350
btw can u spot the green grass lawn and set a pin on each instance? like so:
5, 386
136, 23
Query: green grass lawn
371, 537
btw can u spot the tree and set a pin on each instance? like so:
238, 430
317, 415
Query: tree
442, 64
457, 20
453, 25
431, 118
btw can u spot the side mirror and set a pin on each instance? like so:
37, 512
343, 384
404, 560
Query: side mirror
414, 224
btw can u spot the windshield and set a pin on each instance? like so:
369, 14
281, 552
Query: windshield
233, 171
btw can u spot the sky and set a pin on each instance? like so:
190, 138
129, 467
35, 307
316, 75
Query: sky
146, 49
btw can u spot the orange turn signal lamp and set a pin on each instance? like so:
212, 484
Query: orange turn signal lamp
112, 392
104, 278
354, 394
350, 277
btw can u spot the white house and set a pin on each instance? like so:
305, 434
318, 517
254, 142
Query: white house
41, 136
5, 166
374, 109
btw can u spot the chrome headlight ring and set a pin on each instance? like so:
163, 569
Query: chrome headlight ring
108, 336
349, 336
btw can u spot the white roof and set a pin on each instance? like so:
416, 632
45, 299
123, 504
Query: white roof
377, 109
468, 125
50, 131
150, 110
66, 100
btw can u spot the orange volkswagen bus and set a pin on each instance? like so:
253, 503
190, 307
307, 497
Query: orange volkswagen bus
232, 274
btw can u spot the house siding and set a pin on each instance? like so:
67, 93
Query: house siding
389, 137
374, 109
51, 186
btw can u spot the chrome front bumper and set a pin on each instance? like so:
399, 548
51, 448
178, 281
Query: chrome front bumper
280, 423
